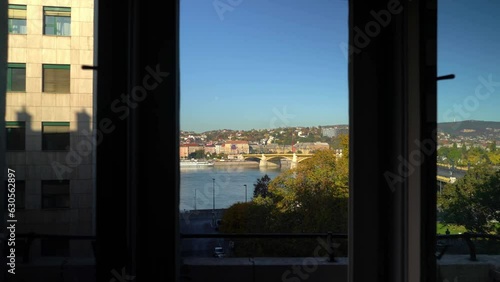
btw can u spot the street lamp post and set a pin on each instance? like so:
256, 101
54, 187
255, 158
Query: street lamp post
195, 199
213, 195
245, 192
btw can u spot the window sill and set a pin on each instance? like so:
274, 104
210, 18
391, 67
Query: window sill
53, 35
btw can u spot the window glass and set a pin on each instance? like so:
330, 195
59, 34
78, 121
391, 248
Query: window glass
15, 131
57, 21
55, 136
17, 19
56, 78
55, 194
468, 155
16, 77
264, 123
55, 247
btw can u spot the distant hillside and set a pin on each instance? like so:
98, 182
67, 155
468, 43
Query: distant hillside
470, 127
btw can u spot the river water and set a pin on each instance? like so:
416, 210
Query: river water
197, 185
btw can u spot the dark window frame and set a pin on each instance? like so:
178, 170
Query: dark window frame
52, 16
46, 136
21, 143
49, 85
12, 19
11, 67
57, 198
55, 247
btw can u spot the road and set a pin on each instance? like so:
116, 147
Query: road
199, 222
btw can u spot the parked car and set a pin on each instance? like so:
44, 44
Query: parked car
218, 222
219, 252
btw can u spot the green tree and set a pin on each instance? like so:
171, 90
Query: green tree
494, 157
454, 154
198, 154
261, 187
313, 197
478, 155
472, 201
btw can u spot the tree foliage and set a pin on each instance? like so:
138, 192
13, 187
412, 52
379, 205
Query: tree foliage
198, 154
261, 186
313, 197
473, 201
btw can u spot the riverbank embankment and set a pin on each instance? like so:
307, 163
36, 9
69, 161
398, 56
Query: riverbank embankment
237, 163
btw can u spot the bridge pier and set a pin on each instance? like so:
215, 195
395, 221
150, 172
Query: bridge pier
263, 161
294, 161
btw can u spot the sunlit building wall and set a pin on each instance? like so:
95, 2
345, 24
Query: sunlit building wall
50, 121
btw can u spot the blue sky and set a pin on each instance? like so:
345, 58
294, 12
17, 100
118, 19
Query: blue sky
274, 63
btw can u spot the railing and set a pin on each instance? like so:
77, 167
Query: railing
30, 237
470, 244
328, 235
444, 247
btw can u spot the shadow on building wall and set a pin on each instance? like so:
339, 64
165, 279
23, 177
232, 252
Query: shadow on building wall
55, 228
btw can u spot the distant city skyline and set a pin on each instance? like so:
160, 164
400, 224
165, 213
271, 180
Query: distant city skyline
269, 64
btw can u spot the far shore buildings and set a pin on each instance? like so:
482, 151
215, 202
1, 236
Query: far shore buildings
310, 147
187, 149
334, 131
229, 148
50, 122
234, 149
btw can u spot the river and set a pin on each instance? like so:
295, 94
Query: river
197, 185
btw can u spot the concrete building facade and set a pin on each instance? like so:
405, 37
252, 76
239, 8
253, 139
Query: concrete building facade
50, 121
186, 149
236, 147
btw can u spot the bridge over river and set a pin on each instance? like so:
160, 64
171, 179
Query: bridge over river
265, 159
445, 174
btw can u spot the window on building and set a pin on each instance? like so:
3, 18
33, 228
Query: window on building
54, 247
57, 21
18, 194
17, 19
55, 194
55, 136
56, 78
15, 132
16, 77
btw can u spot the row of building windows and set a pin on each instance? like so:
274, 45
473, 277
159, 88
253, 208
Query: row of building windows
55, 78
49, 247
55, 136
56, 20
55, 194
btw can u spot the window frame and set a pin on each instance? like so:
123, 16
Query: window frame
47, 248
10, 77
14, 7
123, 71
15, 124
66, 183
56, 67
44, 135
53, 9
